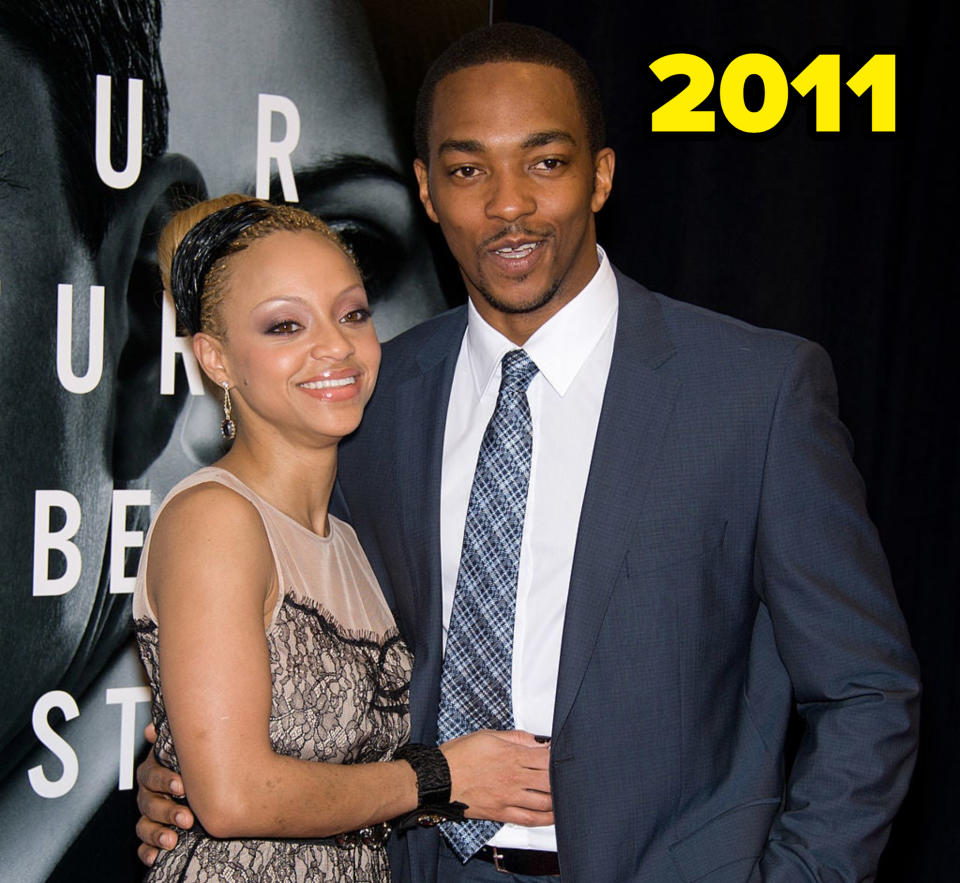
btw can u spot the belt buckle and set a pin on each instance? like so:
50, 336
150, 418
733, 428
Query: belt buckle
497, 858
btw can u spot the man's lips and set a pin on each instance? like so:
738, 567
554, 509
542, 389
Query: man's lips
516, 258
518, 251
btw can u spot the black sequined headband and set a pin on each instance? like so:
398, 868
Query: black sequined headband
205, 243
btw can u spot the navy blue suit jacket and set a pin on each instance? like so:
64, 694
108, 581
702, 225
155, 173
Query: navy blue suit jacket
725, 572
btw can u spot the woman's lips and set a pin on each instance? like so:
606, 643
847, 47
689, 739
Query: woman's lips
332, 388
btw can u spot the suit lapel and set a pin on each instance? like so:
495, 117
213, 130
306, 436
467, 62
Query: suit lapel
637, 409
422, 402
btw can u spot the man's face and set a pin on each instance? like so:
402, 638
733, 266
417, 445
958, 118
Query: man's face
52, 439
218, 55
514, 186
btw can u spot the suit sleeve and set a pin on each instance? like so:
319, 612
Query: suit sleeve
841, 635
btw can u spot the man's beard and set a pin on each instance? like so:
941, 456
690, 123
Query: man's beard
508, 308
519, 309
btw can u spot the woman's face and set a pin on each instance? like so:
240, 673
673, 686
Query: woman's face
299, 348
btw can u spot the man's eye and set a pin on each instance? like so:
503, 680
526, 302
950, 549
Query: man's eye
549, 164
465, 172
355, 317
287, 326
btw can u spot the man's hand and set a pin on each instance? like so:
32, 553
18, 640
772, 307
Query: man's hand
158, 786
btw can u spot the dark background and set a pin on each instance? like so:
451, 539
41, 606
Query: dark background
845, 239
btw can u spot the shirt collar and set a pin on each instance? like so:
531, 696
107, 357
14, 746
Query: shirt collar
560, 346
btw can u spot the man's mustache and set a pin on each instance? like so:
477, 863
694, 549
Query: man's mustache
512, 232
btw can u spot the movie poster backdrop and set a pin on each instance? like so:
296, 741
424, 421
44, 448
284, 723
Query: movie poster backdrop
112, 114
778, 187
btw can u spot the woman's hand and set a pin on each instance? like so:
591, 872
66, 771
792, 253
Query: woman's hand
501, 775
158, 786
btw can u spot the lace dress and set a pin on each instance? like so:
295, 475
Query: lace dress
340, 693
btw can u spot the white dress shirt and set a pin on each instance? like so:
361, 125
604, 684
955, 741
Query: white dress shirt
573, 351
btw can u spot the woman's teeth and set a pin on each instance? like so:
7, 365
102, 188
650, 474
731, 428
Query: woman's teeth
327, 384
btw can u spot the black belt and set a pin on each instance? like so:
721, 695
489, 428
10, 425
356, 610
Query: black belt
533, 862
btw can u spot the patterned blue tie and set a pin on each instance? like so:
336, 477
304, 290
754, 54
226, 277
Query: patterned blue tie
475, 684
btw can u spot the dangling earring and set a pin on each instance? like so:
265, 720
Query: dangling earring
228, 429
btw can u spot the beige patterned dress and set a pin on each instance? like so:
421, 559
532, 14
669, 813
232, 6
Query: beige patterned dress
340, 693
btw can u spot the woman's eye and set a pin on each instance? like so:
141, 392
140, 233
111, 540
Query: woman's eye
356, 316
287, 326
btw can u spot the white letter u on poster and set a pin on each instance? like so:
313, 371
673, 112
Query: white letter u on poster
128, 175
68, 379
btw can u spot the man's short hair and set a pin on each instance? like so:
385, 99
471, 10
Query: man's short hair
507, 41
72, 41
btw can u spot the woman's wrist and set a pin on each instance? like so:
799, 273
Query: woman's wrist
433, 788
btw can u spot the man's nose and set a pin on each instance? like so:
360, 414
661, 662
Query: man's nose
511, 197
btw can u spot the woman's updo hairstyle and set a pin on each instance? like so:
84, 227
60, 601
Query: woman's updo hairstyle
195, 247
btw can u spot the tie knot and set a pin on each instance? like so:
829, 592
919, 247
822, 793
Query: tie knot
517, 370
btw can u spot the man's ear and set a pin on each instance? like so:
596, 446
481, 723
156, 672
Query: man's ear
603, 165
423, 188
128, 260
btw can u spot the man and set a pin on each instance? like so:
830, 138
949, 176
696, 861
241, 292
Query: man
62, 225
696, 560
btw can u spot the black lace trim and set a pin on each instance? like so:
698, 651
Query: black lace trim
384, 698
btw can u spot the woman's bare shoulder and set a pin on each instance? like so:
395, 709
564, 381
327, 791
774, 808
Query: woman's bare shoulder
210, 506
210, 530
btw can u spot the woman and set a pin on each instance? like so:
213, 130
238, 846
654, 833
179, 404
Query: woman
280, 682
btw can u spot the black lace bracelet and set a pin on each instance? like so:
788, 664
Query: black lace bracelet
433, 788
